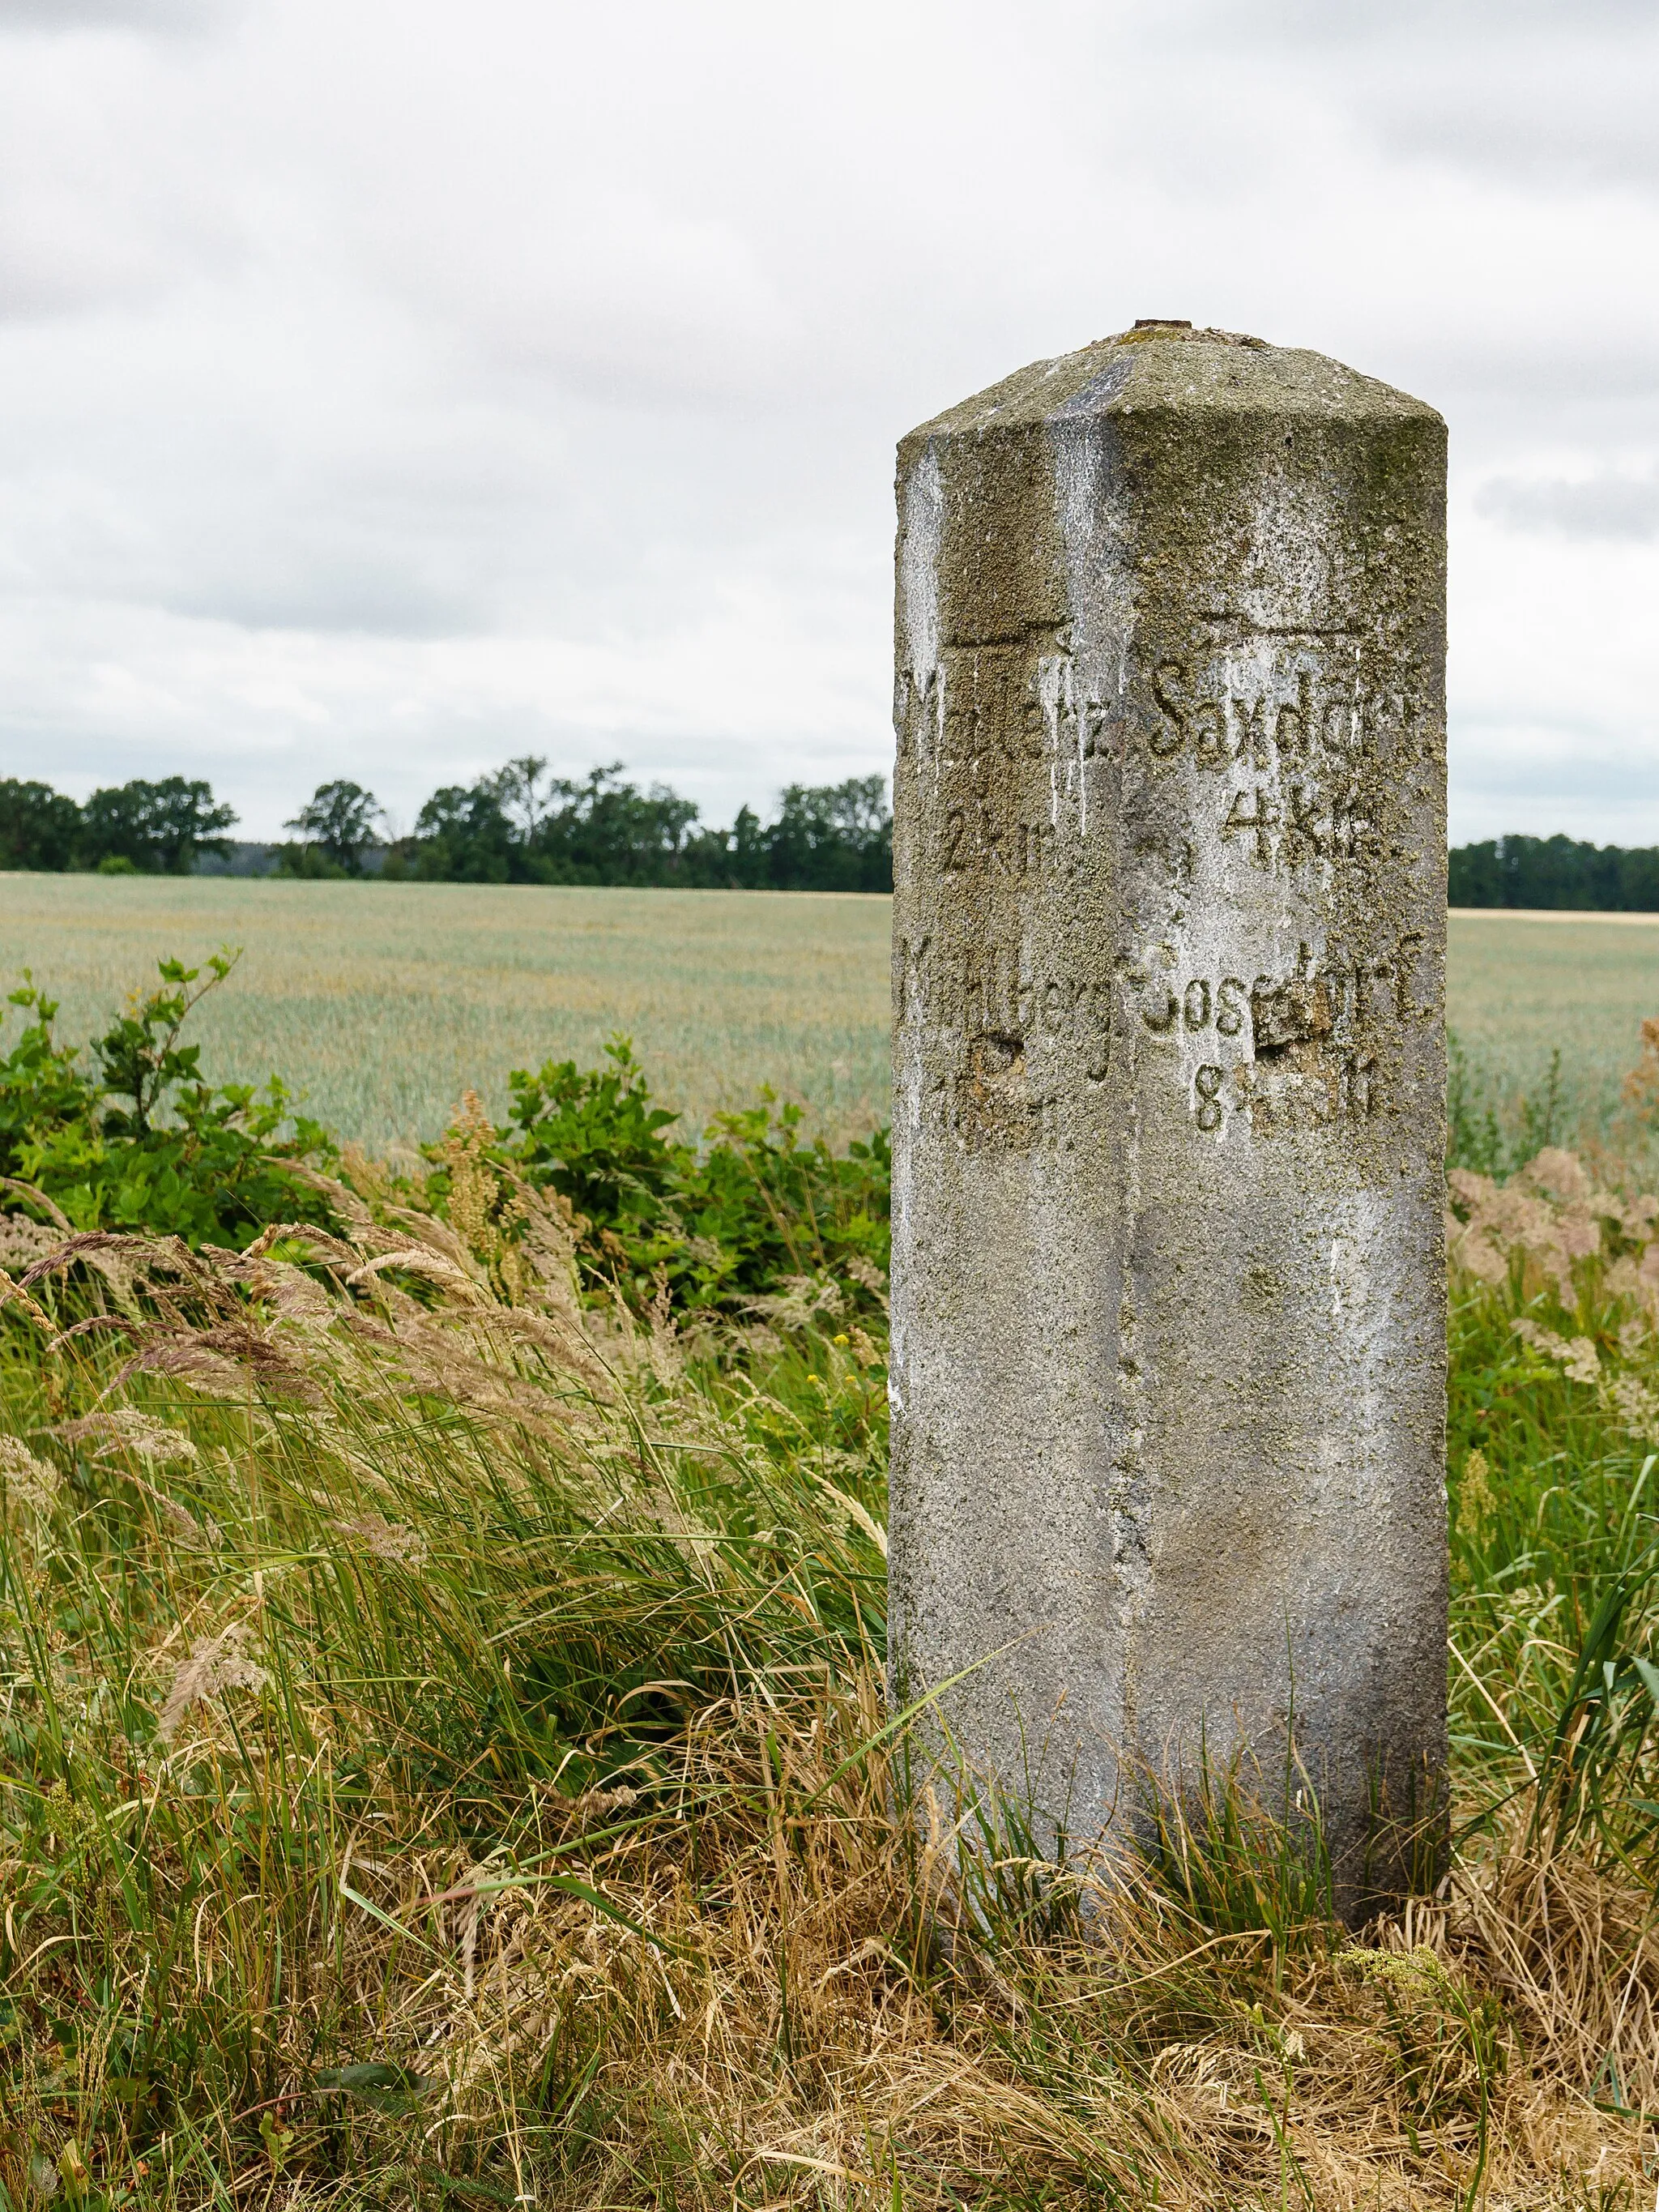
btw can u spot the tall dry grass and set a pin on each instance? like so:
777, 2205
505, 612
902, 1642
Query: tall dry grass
445, 1761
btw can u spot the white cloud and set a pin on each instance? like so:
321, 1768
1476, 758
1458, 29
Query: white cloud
386, 389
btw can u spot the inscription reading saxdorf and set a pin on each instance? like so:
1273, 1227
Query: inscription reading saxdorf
1168, 1057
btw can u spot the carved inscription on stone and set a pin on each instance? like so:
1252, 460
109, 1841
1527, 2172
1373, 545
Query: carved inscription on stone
1000, 731
1010, 701
1002, 1037
1277, 734
1319, 1044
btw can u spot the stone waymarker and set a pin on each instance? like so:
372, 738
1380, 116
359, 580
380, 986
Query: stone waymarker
1169, 1284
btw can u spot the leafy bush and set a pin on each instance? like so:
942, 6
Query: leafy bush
128, 1133
720, 1227
139, 1139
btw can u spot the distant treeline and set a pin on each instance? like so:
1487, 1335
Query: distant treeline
518, 825
154, 829
1555, 871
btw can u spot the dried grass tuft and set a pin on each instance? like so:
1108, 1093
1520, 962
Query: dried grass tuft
216, 1664
26, 1481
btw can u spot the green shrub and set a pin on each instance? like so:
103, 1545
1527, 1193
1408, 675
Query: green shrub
139, 1139
126, 1133
718, 1226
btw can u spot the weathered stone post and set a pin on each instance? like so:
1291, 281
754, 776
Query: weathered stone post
1168, 938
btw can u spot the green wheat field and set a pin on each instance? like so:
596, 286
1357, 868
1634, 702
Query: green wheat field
383, 1002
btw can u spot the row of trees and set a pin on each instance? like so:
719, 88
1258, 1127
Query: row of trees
519, 825
1555, 871
153, 829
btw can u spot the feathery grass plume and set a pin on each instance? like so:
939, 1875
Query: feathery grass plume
26, 1481
868, 1276
803, 1301
474, 1188
22, 1242
407, 1547
1637, 1406
216, 1664
123, 1428
1577, 1356
1477, 1506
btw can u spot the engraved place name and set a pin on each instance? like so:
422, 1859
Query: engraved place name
1318, 999
1000, 705
1283, 715
991, 991
998, 1035
1312, 1047
1023, 699
1000, 733
1010, 737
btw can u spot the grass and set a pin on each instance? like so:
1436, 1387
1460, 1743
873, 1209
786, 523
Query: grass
1519, 992
443, 1758
443, 1763
383, 1002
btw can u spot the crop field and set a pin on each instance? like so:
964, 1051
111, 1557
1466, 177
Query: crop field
383, 1002
1522, 987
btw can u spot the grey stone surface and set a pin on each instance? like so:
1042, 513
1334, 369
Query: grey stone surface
1169, 1283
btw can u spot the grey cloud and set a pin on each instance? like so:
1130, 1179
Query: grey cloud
1557, 775
1596, 507
1535, 89
362, 604
1346, 23
161, 17
1579, 114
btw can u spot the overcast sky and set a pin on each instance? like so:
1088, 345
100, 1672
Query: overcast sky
388, 387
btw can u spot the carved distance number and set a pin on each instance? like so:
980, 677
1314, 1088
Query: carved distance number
1309, 826
1324, 1087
